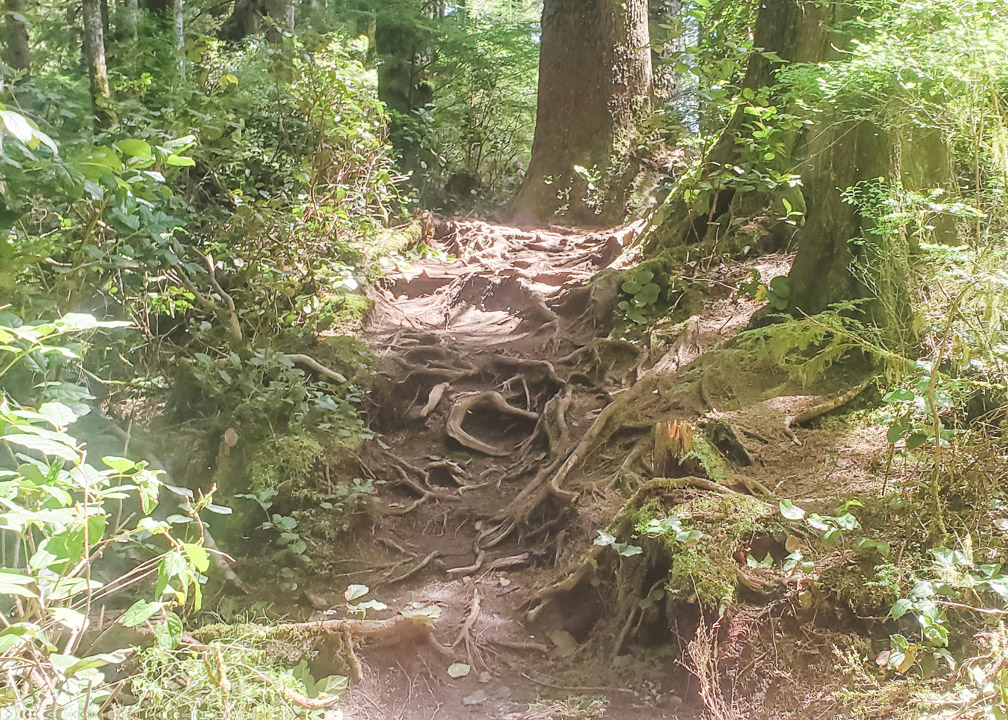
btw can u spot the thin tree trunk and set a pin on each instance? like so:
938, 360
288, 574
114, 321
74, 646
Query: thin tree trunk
178, 24
130, 17
17, 53
281, 12
594, 81
94, 56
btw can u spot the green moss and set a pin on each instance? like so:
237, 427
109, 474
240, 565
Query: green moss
352, 356
343, 312
285, 464
707, 570
714, 466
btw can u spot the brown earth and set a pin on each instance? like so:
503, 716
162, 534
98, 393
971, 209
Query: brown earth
511, 428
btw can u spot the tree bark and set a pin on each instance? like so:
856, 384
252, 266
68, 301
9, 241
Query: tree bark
128, 17
17, 53
94, 56
245, 20
594, 81
281, 15
178, 27
832, 155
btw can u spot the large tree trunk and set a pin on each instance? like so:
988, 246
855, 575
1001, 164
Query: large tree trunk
245, 20
248, 15
594, 81
834, 154
17, 53
281, 15
94, 56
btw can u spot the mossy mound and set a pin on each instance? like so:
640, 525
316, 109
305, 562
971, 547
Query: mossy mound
700, 541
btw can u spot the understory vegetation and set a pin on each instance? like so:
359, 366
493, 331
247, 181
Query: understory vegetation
263, 376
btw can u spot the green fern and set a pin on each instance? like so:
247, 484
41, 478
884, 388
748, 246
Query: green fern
807, 347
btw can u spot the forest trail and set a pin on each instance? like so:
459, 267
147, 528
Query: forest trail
498, 368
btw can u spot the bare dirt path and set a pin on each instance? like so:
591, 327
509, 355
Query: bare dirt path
499, 379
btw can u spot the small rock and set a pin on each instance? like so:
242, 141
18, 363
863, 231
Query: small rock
673, 701
475, 698
564, 641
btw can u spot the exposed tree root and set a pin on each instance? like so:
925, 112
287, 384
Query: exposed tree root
465, 634
433, 398
413, 570
461, 408
313, 364
824, 407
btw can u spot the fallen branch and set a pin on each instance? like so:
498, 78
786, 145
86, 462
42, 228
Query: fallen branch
313, 364
822, 408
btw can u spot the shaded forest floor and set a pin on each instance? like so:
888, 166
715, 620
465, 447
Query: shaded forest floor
511, 428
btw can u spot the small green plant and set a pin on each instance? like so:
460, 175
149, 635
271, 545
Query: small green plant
605, 539
830, 527
354, 593
777, 292
641, 295
917, 406
284, 525
671, 529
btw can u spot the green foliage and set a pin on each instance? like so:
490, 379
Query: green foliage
67, 547
243, 674
482, 116
914, 419
641, 294
808, 346
777, 292
264, 389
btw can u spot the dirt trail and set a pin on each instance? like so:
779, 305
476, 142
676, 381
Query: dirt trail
498, 367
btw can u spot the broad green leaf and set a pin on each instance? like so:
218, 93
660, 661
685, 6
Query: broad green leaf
46, 446
135, 148
168, 633
57, 414
139, 612
356, 591
900, 608
17, 125
197, 556
179, 161
120, 465
790, 511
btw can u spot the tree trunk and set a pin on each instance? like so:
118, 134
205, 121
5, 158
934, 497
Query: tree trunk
245, 20
128, 18
94, 56
178, 27
834, 154
594, 81
281, 15
17, 53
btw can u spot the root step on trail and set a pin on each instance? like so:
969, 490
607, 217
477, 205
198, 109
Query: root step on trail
512, 429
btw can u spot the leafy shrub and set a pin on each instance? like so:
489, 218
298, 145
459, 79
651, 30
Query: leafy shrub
64, 527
